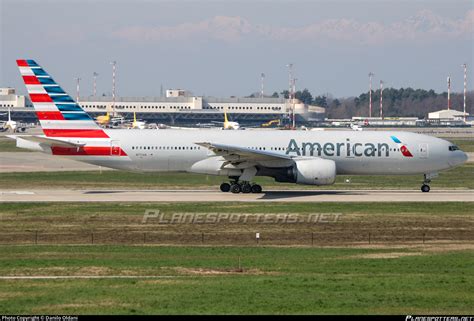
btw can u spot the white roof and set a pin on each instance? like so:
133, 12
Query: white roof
446, 113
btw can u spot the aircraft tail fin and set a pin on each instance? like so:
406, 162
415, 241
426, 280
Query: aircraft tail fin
58, 113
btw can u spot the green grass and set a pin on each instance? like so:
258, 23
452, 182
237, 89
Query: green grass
381, 278
457, 178
274, 281
115, 209
9, 145
340, 224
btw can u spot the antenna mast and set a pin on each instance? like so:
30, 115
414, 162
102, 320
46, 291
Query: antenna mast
113, 63
77, 88
371, 74
465, 89
381, 99
94, 75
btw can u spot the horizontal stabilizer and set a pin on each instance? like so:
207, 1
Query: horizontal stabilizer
41, 139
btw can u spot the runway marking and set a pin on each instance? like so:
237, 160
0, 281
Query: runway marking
66, 277
17, 192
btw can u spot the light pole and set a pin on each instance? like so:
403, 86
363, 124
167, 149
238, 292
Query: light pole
94, 75
449, 92
293, 100
381, 99
465, 89
77, 88
113, 63
371, 74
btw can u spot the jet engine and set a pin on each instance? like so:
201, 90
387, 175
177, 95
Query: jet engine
314, 171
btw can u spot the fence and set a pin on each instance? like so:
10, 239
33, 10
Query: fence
114, 237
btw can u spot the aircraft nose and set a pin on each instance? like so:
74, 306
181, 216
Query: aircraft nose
458, 158
464, 157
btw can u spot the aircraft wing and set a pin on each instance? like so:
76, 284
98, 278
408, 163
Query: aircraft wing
47, 140
240, 154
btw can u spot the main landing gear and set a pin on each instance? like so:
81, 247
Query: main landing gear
240, 187
425, 188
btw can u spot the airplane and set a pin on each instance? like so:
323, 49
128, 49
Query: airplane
356, 127
103, 119
136, 124
228, 124
107, 121
11, 125
300, 157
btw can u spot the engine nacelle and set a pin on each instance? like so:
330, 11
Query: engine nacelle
315, 171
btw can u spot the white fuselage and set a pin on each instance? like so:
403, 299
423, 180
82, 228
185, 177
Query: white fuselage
354, 152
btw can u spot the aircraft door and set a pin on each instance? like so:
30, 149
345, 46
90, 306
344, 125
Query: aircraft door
423, 150
115, 148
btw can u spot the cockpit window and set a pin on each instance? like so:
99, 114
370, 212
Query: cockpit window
453, 148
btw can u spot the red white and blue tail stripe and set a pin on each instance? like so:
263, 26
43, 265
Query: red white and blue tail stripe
58, 113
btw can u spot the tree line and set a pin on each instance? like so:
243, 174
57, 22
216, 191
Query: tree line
403, 102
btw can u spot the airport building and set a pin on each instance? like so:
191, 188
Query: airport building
9, 98
178, 107
448, 114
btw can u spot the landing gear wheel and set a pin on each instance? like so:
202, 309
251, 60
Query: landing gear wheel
246, 188
235, 188
256, 189
225, 187
425, 188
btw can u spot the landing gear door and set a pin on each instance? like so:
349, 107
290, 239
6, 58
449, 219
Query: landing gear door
115, 148
423, 150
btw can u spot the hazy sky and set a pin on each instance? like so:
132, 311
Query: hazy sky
220, 48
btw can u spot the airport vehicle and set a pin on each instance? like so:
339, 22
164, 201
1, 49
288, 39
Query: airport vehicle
271, 123
301, 157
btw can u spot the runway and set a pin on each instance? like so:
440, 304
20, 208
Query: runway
63, 195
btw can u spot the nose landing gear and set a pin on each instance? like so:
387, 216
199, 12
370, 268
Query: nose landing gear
425, 188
